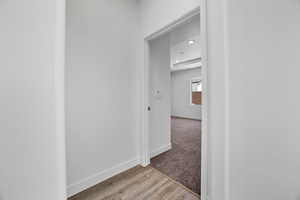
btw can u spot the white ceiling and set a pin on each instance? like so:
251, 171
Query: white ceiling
183, 54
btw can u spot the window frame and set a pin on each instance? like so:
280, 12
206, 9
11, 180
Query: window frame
191, 90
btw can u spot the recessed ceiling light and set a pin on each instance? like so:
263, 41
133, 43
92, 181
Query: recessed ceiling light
191, 42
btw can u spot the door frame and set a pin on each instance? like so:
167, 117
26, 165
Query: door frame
144, 143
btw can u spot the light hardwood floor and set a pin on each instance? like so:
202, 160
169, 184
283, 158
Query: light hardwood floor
138, 183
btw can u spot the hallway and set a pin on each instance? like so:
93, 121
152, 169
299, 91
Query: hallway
183, 162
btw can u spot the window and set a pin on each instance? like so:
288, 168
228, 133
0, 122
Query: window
196, 92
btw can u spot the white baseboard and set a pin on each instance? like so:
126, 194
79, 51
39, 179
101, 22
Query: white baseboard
204, 198
101, 176
183, 117
161, 150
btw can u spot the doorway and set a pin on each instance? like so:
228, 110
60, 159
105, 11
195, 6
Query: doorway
175, 141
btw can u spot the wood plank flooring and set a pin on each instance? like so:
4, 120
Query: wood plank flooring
138, 183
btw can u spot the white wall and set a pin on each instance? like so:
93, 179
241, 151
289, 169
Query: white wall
102, 137
165, 12
160, 94
262, 57
181, 94
32, 144
180, 80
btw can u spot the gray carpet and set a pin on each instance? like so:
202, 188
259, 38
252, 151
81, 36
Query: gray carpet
183, 162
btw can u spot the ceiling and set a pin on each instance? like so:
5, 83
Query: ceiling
185, 48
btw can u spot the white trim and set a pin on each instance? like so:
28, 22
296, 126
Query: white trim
59, 88
161, 150
227, 104
205, 100
187, 67
191, 90
144, 143
183, 117
100, 177
204, 197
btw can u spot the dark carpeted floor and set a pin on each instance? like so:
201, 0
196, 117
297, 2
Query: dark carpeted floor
183, 162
